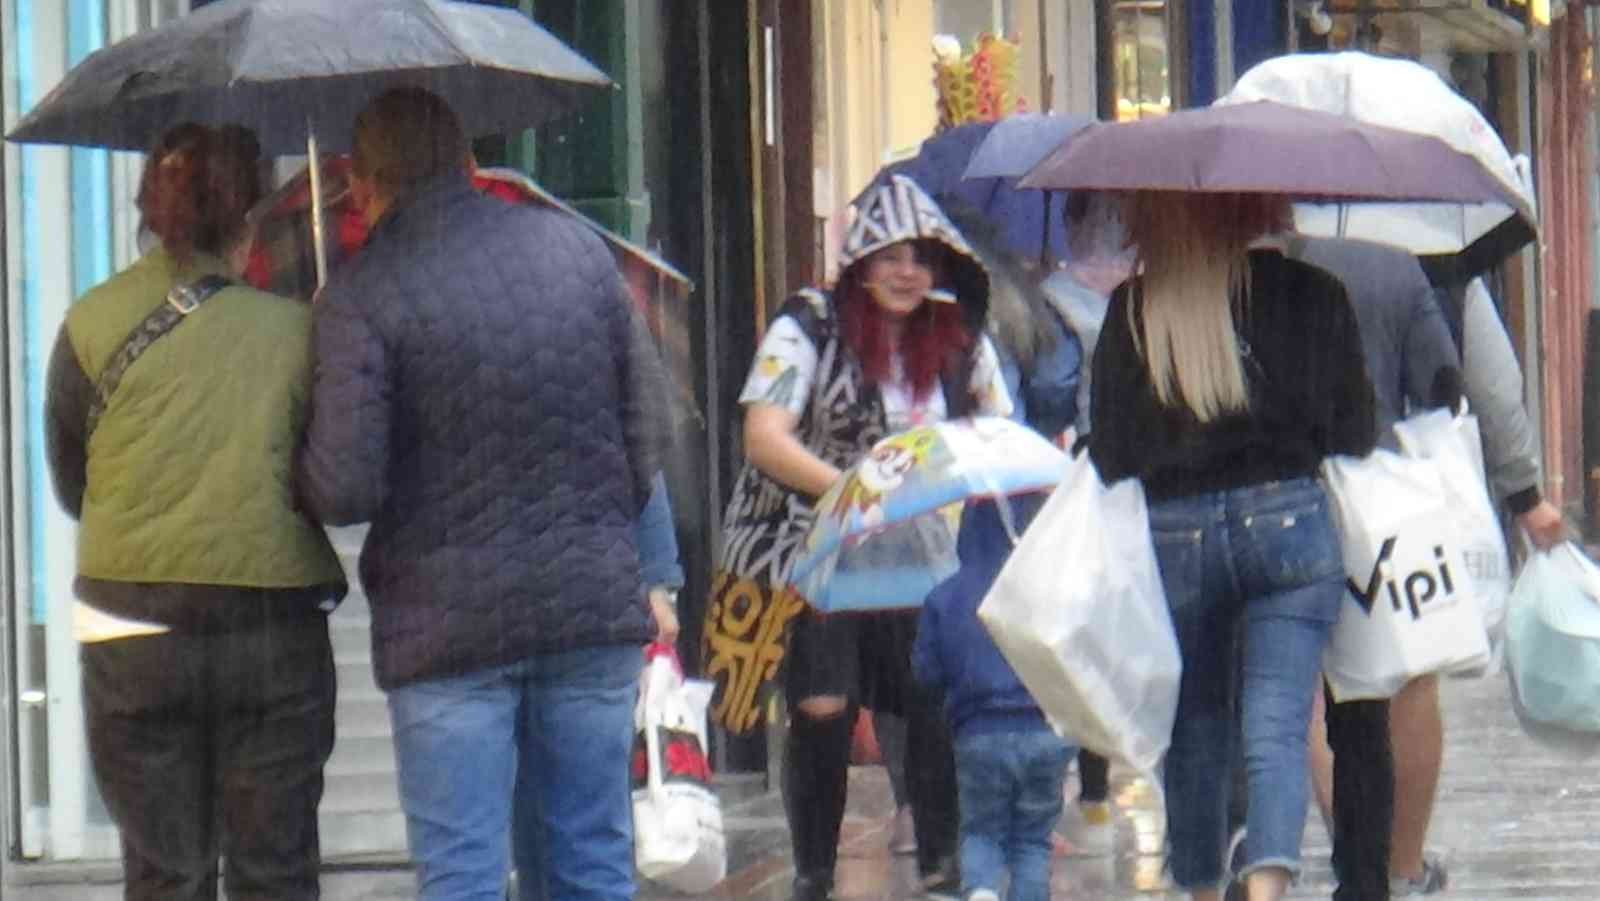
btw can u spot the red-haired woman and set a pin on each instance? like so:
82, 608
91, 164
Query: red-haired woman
175, 402
896, 345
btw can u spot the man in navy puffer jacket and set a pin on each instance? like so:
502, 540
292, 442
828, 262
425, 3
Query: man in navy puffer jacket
485, 396
1009, 764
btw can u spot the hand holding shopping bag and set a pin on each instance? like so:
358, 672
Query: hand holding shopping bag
1411, 607
1080, 613
1553, 646
677, 819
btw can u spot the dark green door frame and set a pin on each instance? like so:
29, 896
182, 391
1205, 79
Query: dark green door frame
593, 159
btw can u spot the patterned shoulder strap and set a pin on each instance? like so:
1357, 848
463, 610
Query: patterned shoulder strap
182, 300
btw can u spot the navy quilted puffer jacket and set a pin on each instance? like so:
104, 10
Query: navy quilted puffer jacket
486, 397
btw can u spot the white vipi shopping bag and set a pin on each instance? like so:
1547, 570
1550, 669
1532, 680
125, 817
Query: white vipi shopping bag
1453, 444
1080, 613
1410, 606
678, 839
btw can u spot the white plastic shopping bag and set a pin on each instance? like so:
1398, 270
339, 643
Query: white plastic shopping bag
1080, 614
1410, 607
1553, 641
677, 820
1453, 444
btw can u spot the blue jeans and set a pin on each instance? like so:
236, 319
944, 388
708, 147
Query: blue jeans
1264, 559
1010, 794
547, 741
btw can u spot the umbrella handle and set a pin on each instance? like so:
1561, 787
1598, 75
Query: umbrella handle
1002, 504
318, 241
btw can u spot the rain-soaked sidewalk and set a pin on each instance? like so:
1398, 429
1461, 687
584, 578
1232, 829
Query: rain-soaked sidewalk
1513, 821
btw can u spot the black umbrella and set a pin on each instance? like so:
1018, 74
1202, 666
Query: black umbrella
1267, 147
293, 69
298, 71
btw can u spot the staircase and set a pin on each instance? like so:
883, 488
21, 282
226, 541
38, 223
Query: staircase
360, 814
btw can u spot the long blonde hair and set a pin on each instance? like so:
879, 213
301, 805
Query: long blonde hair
1194, 250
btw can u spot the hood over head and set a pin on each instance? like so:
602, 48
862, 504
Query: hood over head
896, 209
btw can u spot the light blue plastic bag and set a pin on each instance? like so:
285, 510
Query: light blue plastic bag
1553, 640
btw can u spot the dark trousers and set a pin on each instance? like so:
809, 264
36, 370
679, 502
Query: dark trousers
1363, 798
816, 769
211, 744
1094, 777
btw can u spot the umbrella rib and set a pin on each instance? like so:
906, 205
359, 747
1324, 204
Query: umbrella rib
443, 28
237, 64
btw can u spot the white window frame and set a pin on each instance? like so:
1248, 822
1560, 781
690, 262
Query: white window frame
54, 825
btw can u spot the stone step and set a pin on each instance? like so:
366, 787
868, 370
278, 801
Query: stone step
374, 792
362, 716
355, 754
356, 679
361, 834
351, 638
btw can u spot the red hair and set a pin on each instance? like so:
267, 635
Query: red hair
932, 333
197, 186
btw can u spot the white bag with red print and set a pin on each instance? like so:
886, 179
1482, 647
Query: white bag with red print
677, 821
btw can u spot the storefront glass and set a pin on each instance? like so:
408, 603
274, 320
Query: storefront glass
1141, 61
876, 100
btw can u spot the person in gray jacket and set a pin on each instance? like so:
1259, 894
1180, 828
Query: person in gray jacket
1494, 389
1493, 385
1409, 346
1413, 363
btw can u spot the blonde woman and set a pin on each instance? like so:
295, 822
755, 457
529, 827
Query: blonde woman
1224, 375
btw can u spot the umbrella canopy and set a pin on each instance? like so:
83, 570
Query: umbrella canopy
1266, 147
288, 68
940, 168
884, 534
1397, 93
1017, 143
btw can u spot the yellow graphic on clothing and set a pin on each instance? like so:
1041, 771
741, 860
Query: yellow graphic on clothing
746, 639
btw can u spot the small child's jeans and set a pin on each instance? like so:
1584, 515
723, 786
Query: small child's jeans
1010, 784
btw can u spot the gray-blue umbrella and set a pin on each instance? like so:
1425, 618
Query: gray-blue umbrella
291, 69
1018, 142
297, 72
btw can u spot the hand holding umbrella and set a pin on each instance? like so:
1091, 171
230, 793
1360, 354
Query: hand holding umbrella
881, 539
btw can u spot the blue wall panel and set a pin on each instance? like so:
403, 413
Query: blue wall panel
1202, 60
1259, 32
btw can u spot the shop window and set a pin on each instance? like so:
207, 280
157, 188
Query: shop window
1139, 57
875, 96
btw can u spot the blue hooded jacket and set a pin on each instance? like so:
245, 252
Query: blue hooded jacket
954, 655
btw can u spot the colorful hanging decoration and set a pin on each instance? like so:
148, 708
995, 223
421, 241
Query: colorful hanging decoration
979, 86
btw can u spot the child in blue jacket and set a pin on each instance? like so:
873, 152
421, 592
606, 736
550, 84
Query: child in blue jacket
1009, 764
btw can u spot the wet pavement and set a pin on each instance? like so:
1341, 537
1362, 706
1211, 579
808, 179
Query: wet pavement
1513, 821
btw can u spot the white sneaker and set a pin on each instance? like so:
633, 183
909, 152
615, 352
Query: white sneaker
984, 894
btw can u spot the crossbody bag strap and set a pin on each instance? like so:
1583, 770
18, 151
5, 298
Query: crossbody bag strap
182, 300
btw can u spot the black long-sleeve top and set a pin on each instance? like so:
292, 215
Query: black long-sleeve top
1310, 396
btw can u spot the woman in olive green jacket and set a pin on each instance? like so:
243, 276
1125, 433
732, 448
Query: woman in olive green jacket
203, 592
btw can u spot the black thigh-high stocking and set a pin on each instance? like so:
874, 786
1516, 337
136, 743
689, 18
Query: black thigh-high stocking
816, 773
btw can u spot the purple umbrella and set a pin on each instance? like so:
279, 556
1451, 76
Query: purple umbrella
1266, 147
